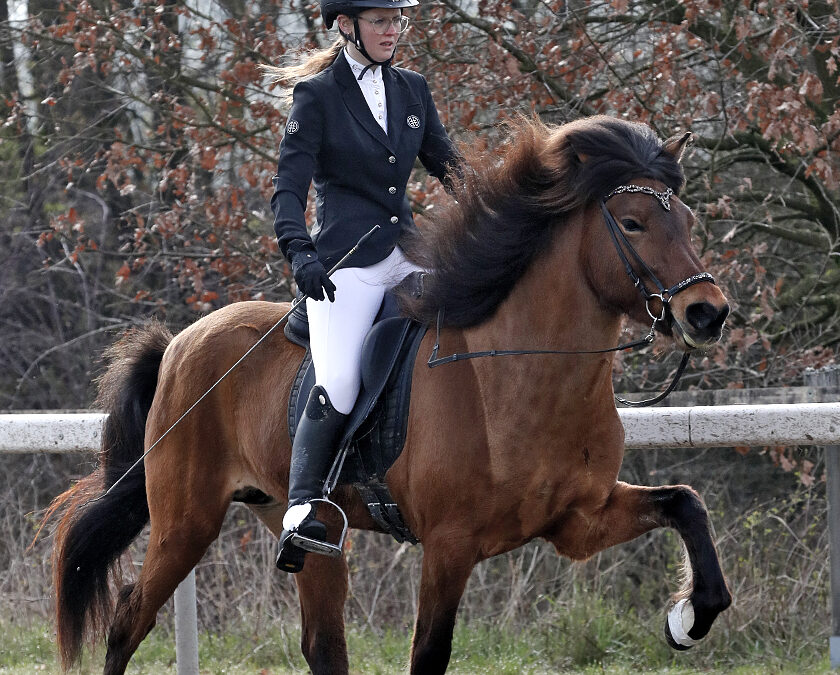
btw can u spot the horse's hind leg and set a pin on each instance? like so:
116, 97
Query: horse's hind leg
632, 510
177, 541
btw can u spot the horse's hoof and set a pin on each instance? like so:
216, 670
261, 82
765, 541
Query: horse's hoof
680, 621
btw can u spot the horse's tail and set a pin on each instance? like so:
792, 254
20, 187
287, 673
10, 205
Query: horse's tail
95, 529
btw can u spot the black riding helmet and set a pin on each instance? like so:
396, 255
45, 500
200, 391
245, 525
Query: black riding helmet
330, 9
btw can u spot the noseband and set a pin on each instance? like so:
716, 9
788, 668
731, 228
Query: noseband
664, 295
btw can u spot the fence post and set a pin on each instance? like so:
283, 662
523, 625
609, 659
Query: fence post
186, 627
830, 377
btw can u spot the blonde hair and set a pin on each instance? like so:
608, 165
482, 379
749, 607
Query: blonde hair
313, 63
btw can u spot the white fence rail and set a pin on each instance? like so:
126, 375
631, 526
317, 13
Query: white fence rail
645, 428
50, 432
678, 427
732, 425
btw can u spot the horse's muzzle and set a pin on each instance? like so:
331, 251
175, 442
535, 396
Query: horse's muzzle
701, 326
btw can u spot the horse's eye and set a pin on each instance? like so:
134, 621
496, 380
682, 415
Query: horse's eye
631, 225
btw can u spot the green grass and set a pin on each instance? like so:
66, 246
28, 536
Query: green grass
602, 643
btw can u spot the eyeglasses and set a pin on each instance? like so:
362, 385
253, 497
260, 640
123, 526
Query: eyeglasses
381, 26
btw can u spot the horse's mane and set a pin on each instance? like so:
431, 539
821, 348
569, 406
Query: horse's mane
506, 211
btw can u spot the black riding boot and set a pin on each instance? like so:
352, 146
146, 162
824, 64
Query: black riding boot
313, 451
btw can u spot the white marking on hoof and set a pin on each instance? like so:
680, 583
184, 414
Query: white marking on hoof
680, 621
296, 515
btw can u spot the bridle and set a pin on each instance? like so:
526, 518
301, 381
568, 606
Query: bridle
621, 242
663, 294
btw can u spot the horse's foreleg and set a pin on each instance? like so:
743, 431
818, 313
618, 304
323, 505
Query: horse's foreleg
444, 577
631, 511
175, 546
706, 590
322, 587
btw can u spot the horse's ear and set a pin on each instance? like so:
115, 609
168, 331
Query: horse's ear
581, 157
676, 145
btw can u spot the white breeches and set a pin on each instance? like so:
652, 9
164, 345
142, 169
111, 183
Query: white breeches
337, 329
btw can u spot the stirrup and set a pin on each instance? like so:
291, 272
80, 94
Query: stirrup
318, 546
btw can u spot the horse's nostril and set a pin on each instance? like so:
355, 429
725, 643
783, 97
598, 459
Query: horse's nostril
704, 316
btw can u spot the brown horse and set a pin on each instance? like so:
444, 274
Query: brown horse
499, 451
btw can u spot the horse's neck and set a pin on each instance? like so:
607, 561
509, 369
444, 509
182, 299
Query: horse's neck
552, 307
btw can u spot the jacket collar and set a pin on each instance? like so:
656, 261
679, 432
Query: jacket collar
395, 94
358, 68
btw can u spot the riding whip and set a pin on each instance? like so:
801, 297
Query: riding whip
279, 322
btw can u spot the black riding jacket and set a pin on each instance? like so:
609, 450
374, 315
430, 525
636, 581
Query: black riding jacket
360, 173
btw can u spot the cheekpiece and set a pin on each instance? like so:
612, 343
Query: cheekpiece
663, 197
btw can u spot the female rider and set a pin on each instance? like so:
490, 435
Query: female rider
356, 127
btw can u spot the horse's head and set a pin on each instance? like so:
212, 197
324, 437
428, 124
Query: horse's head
508, 212
644, 263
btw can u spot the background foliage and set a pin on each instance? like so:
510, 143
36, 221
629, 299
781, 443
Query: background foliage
139, 138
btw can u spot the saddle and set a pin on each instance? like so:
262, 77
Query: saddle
375, 432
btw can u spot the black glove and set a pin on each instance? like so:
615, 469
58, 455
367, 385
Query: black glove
311, 276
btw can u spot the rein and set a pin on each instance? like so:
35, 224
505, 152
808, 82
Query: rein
435, 361
664, 295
